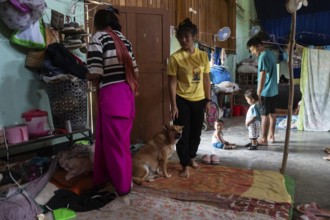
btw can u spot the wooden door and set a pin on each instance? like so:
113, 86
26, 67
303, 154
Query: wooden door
148, 30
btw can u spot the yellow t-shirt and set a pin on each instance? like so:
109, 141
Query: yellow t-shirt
189, 70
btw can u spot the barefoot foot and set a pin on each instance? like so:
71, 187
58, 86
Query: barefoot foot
118, 203
194, 164
184, 172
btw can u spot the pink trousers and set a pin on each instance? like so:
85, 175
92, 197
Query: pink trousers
112, 159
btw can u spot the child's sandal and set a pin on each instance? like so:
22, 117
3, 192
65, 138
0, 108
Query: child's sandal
229, 146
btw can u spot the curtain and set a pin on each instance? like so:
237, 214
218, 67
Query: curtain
314, 114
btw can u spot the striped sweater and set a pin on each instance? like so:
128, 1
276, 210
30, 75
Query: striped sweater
102, 58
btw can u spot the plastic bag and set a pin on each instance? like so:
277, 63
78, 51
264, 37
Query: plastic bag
219, 74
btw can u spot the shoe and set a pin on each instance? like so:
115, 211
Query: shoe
252, 147
206, 159
215, 160
247, 145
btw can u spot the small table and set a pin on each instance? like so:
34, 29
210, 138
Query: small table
231, 96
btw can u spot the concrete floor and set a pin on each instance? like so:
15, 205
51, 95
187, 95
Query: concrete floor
305, 162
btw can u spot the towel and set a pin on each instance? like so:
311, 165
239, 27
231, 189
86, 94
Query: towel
125, 58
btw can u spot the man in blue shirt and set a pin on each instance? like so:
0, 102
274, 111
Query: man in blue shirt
267, 88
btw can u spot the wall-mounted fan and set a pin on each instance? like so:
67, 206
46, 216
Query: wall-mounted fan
294, 5
223, 33
254, 30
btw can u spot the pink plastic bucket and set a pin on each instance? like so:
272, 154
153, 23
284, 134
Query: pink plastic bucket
16, 134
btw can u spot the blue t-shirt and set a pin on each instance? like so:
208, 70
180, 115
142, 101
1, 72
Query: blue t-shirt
267, 62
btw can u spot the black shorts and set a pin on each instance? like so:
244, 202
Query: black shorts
267, 105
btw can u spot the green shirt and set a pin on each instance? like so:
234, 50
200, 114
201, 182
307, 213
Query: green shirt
267, 62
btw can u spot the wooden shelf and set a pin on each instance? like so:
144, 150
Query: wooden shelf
247, 78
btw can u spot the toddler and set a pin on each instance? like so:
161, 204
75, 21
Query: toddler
253, 119
217, 137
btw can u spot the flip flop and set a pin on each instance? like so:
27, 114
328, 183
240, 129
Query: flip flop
312, 208
206, 159
229, 147
326, 158
215, 159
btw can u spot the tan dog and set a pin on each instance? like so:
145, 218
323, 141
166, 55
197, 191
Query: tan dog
151, 160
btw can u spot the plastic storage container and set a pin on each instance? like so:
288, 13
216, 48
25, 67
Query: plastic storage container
37, 122
16, 134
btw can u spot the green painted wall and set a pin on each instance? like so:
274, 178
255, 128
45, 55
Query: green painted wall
20, 88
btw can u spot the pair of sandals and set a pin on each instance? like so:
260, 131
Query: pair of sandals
212, 159
313, 211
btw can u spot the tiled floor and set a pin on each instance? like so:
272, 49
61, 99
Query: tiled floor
305, 159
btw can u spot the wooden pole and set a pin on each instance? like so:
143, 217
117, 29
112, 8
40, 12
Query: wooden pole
291, 93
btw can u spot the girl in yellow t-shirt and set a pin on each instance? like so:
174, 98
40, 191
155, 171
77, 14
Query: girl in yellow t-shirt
189, 84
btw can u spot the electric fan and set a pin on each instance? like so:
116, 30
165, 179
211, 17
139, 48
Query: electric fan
223, 33
254, 30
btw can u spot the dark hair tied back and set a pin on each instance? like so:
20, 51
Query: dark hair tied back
186, 26
105, 18
112, 10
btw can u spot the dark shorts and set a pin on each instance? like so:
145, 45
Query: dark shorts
267, 105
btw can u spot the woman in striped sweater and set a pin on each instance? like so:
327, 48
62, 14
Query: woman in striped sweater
113, 68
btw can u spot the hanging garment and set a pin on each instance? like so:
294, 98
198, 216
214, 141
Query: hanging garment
216, 56
21, 7
314, 114
31, 37
18, 20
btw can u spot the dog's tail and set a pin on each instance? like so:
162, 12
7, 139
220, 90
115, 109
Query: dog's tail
138, 180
